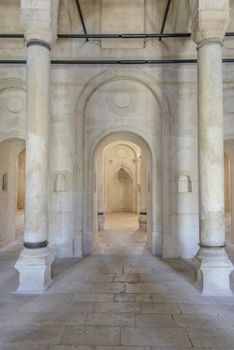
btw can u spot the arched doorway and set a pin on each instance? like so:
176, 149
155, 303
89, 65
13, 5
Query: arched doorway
12, 170
122, 196
123, 102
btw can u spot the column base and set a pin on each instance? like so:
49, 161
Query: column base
101, 221
213, 272
34, 266
143, 221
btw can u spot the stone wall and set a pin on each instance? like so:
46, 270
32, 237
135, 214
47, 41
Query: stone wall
87, 105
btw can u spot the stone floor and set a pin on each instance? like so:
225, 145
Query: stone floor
120, 298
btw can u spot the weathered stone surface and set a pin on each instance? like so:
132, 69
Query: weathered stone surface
151, 337
92, 336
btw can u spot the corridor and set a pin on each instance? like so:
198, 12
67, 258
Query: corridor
121, 236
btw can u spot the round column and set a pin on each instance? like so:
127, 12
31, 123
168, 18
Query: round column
34, 263
210, 144
212, 261
38, 92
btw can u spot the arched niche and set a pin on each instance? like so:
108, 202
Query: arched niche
5, 182
60, 183
184, 184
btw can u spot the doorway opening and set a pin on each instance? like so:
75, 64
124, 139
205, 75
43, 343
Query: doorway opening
122, 203
20, 194
12, 173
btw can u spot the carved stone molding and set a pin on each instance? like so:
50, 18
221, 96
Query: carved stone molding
211, 20
39, 19
121, 102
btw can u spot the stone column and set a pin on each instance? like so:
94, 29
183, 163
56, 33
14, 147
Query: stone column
213, 264
34, 263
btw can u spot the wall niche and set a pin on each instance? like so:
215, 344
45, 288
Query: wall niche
60, 183
184, 184
5, 182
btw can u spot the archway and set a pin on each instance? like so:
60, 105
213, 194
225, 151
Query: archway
115, 101
12, 169
122, 196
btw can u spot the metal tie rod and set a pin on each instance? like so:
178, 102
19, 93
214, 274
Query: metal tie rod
113, 36
116, 62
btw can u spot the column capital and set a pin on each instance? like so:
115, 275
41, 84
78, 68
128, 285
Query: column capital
210, 20
39, 20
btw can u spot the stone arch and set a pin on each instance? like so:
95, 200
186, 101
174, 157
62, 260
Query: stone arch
89, 229
82, 167
7, 86
12, 83
116, 73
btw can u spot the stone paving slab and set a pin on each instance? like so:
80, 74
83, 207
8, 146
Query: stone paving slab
78, 307
94, 297
155, 321
141, 288
91, 336
204, 321
160, 308
215, 339
115, 303
110, 287
112, 320
212, 309
31, 335
117, 307
155, 337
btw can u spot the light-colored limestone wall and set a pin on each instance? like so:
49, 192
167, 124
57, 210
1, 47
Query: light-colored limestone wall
79, 120
183, 199
88, 103
61, 164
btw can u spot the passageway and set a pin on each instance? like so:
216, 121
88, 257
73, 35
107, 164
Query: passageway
121, 236
121, 199
12, 194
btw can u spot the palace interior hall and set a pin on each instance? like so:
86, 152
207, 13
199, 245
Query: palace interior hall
116, 174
